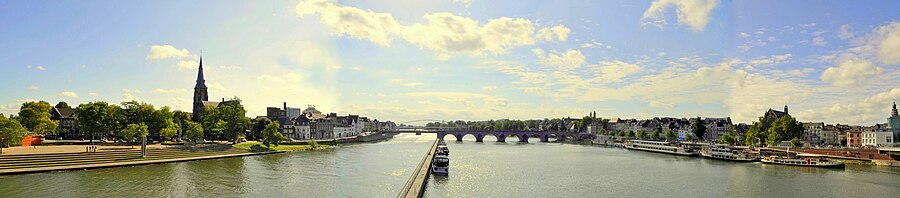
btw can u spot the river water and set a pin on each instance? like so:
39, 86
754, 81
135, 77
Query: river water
486, 169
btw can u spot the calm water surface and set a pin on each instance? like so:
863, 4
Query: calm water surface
487, 169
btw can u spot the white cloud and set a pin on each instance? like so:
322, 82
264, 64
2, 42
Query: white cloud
744, 35
463, 98
465, 3
693, 13
489, 88
93, 94
615, 71
559, 32
168, 91
443, 32
850, 71
32, 87
819, 41
845, 33
658, 104
39, 68
570, 59
404, 83
158, 52
128, 94
887, 40
68, 94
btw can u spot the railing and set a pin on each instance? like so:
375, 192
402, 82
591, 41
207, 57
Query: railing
415, 186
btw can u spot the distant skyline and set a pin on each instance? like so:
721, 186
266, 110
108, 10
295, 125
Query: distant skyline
830, 61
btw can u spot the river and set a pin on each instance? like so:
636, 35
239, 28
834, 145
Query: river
488, 169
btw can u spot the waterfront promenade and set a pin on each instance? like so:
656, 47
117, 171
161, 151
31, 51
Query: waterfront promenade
22, 160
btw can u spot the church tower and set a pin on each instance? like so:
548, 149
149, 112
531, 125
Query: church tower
894, 110
200, 94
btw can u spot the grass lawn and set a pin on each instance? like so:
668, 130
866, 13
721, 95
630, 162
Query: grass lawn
258, 146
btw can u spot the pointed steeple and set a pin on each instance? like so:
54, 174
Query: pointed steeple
201, 83
894, 110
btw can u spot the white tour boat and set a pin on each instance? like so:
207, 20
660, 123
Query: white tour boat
440, 165
795, 159
725, 152
662, 147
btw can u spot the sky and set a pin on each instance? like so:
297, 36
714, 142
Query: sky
829, 61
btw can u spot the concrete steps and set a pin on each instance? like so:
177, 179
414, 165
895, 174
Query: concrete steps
68, 159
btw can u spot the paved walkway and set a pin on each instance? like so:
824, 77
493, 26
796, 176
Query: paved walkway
118, 164
71, 149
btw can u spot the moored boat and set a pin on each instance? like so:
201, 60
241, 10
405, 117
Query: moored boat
795, 159
440, 165
725, 152
661, 147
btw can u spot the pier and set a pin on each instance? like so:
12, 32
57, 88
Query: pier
415, 186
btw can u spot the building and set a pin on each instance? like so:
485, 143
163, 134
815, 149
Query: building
66, 120
201, 96
775, 115
876, 138
716, 127
853, 139
830, 135
813, 132
893, 123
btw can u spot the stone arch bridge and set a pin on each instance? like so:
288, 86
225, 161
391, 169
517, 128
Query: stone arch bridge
522, 136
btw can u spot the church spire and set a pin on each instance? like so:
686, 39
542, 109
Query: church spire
894, 110
201, 83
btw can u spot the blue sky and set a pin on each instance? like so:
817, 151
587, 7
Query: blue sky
830, 61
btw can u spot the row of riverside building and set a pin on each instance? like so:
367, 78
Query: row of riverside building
816, 134
310, 123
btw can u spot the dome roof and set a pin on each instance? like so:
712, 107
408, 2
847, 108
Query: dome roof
311, 110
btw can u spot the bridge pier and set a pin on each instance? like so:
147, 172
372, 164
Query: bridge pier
459, 137
501, 138
523, 138
545, 138
479, 138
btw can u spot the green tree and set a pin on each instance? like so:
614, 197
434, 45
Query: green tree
750, 137
11, 132
193, 131
641, 134
655, 135
796, 143
98, 117
601, 132
670, 135
787, 127
260, 124
698, 128
62, 104
727, 138
135, 132
270, 135
35, 117
630, 134
181, 119
170, 131
233, 116
621, 133
773, 139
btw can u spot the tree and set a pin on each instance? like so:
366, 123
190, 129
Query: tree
260, 124
688, 137
193, 131
641, 134
655, 135
35, 117
270, 135
170, 131
62, 104
134, 132
787, 127
796, 142
181, 119
670, 135
98, 117
630, 134
727, 138
11, 132
698, 128
621, 133
773, 139
750, 137
230, 116
601, 132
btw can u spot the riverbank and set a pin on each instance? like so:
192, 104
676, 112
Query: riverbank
258, 146
63, 158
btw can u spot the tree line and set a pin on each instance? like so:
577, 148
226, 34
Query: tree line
131, 121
